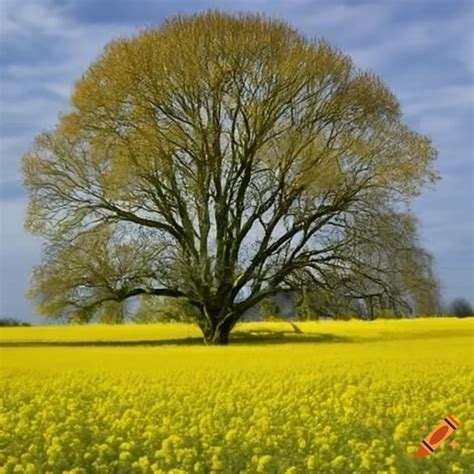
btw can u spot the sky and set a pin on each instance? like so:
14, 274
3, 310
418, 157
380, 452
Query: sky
423, 49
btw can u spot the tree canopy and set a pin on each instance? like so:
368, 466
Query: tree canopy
216, 158
461, 308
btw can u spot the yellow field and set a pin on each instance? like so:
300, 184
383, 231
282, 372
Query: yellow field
341, 397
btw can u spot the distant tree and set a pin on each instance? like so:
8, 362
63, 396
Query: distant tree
304, 304
12, 322
461, 308
269, 310
315, 302
153, 309
218, 158
112, 312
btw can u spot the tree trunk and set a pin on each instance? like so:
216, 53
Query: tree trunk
371, 308
220, 337
217, 335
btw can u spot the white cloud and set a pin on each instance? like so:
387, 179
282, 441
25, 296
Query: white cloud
333, 18
451, 99
11, 150
435, 39
30, 15
35, 89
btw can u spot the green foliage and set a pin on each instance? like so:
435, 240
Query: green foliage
310, 303
154, 309
112, 312
461, 308
5, 322
313, 302
269, 310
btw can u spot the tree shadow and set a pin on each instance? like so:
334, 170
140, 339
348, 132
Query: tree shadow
236, 338
188, 341
284, 337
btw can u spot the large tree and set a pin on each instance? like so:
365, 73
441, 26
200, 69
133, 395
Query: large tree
217, 158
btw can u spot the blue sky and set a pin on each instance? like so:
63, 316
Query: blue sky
422, 48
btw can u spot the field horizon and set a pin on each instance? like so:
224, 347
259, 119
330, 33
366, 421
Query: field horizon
246, 332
